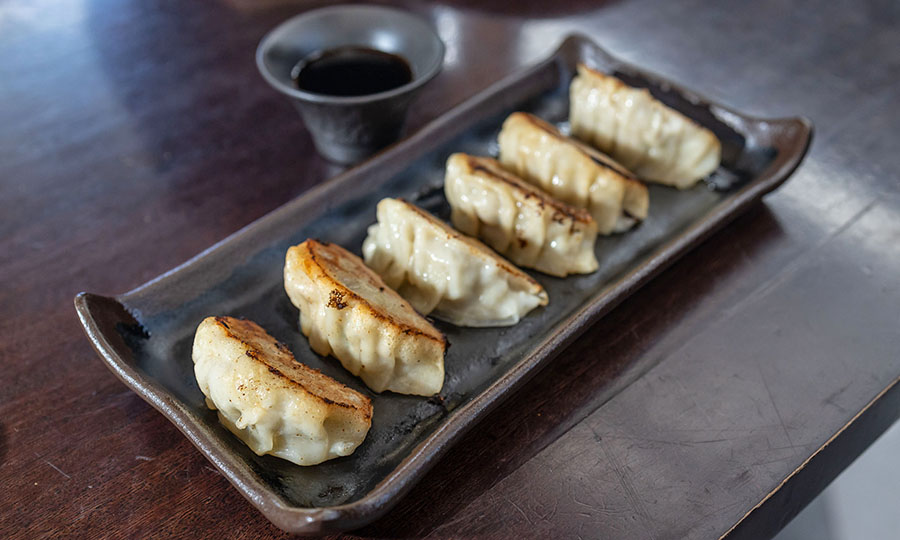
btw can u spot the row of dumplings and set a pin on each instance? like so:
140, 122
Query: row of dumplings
541, 204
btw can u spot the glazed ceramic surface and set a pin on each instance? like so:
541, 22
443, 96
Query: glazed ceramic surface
145, 335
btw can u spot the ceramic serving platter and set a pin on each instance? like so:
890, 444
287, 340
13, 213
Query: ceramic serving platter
145, 335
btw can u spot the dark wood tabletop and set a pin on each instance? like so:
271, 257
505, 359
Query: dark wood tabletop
134, 134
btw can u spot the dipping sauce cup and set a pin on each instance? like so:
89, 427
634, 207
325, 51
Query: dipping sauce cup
348, 128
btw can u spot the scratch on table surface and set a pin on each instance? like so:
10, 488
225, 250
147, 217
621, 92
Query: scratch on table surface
143, 458
547, 517
57, 469
630, 492
832, 398
792, 447
572, 457
690, 396
769, 461
774, 406
576, 501
516, 506
665, 441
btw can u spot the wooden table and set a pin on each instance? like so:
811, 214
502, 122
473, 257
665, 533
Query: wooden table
134, 134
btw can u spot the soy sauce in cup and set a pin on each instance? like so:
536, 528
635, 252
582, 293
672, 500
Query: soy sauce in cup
351, 71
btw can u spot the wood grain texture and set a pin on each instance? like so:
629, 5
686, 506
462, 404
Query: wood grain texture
135, 134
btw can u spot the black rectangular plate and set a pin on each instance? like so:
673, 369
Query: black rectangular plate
145, 335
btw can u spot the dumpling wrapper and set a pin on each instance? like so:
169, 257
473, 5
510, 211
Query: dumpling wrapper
517, 219
444, 273
571, 172
347, 311
270, 401
656, 142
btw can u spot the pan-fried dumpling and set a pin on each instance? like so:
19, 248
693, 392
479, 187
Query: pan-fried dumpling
454, 277
517, 219
270, 401
569, 171
347, 311
657, 143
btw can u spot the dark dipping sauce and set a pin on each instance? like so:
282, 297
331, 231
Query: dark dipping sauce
351, 71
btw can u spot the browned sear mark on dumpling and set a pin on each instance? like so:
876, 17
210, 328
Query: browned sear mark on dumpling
336, 300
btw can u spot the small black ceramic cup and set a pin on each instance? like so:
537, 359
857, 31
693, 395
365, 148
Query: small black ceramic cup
347, 129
